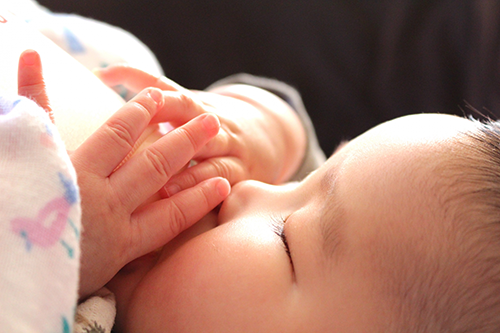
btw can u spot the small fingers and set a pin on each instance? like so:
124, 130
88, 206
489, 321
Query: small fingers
163, 220
224, 144
30, 80
179, 108
134, 79
103, 151
145, 173
230, 168
181, 105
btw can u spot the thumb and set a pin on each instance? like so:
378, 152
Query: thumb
30, 80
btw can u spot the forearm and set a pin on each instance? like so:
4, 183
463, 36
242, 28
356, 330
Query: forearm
280, 125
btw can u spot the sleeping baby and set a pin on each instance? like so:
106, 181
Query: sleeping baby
396, 232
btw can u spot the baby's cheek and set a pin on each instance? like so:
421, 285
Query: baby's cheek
220, 280
170, 296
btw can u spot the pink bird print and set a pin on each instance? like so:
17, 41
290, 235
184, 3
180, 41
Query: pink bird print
46, 228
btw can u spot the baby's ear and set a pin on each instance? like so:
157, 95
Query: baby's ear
30, 82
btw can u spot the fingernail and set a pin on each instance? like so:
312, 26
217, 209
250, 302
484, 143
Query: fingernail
211, 122
29, 57
156, 95
223, 187
172, 189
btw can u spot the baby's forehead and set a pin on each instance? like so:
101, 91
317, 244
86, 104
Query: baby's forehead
395, 173
405, 142
399, 166
420, 128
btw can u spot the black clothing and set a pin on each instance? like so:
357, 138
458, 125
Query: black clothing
356, 62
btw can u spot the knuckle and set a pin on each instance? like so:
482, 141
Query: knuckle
191, 179
185, 101
190, 139
144, 105
33, 89
159, 162
120, 132
233, 128
222, 168
177, 220
205, 198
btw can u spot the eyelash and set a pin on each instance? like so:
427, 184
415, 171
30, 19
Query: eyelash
278, 224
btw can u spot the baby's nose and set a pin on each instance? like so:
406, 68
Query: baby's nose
245, 196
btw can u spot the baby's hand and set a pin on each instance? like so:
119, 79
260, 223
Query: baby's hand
30, 81
115, 229
261, 137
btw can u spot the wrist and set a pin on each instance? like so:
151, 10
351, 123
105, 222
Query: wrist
282, 125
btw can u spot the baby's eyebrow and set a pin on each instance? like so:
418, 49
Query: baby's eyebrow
331, 225
332, 221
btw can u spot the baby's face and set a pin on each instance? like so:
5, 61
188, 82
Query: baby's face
374, 194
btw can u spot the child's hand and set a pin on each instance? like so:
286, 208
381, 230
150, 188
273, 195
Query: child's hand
261, 137
30, 80
115, 230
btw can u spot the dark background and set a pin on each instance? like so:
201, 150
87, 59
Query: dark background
356, 62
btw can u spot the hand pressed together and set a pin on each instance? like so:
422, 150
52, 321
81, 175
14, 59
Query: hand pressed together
261, 137
116, 227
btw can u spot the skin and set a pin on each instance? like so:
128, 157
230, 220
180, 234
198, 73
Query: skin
260, 138
121, 201
231, 273
118, 226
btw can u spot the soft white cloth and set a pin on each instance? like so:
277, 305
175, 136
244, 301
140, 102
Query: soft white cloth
92, 43
39, 203
96, 44
40, 222
25, 9
96, 314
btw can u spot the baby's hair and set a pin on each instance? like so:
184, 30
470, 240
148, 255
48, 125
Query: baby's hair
482, 183
457, 287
